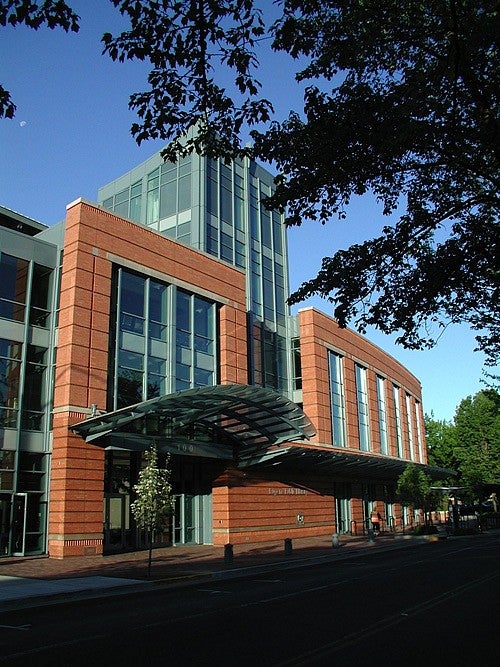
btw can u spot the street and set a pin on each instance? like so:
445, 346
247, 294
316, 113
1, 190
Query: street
434, 603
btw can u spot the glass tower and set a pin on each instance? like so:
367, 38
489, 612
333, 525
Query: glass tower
219, 208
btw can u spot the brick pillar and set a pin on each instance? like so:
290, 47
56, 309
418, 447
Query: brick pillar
76, 493
77, 472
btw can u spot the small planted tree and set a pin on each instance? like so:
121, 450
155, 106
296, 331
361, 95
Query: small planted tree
414, 490
153, 505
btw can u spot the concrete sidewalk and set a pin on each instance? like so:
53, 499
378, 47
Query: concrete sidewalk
29, 582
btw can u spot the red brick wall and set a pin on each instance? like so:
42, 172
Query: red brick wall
318, 334
250, 510
93, 238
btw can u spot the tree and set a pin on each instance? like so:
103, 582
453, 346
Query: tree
184, 41
153, 505
440, 436
401, 101
53, 13
414, 490
477, 428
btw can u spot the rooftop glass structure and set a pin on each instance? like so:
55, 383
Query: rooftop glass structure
219, 209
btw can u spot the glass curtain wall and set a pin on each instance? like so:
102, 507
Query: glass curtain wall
26, 294
165, 340
242, 231
220, 208
161, 199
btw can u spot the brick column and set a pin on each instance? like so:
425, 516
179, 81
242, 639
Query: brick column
77, 474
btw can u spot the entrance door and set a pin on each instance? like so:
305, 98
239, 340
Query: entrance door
343, 509
185, 519
192, 520
19, 524
5, 510
115, 522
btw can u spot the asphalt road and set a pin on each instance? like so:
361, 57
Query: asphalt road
434, 604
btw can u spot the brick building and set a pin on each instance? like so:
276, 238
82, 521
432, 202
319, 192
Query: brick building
159, 317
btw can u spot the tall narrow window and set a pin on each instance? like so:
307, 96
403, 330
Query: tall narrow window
153, 200
363, 410
135, 201
195, 336
337, 399
34, 394
13, 287
296, 364
10, 373
397, 419
40, 296
419, 432
382, 415
131, 346
409, 423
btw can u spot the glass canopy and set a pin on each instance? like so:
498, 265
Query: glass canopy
229, 422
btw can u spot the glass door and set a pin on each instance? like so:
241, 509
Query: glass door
19, 524
343, 509
185, 519
5, 510
115, 522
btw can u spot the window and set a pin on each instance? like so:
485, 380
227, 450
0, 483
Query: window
382, 415
135, 201
13, 287
297, 364
195, 342
409, 423
34, 395
40, 295
153, 200
419, 432
397, 419
121, 203
363, 410
212, 189
132, 303
337, 400
10, 371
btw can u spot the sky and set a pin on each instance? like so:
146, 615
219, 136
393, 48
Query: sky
71, 135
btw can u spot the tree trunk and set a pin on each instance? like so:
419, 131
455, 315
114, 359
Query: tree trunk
150, 554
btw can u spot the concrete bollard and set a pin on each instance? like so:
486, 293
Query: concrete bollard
228, 554
288, 545
335, 540
371, 536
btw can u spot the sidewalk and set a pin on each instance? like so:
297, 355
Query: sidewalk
29, 582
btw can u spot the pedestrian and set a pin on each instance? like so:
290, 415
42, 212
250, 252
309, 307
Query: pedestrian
375, 519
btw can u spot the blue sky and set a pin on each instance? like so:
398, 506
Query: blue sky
71, 135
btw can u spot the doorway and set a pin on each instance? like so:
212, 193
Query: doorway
19, 524
5, 512
192, 519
